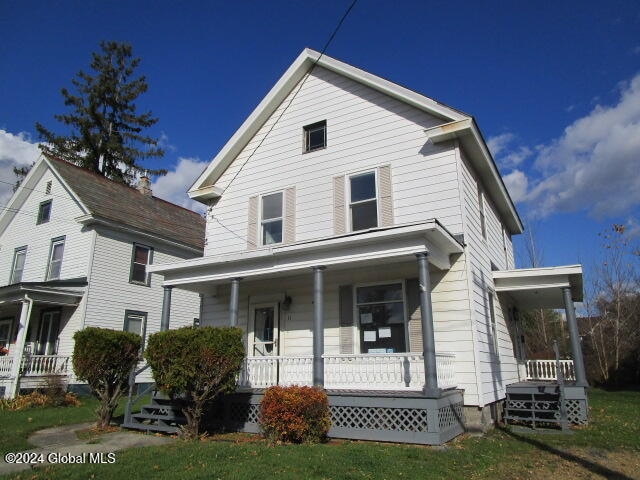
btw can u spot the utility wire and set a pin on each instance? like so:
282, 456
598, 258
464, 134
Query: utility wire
313, 66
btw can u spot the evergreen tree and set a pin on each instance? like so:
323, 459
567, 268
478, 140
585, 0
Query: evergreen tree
106, 133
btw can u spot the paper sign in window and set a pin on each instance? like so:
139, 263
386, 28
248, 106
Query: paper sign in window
366, 318
384, 332
370, 336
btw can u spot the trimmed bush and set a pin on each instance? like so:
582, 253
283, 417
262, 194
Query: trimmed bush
295, 414
195, 365
104, 359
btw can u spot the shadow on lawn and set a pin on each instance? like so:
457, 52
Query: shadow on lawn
591, 466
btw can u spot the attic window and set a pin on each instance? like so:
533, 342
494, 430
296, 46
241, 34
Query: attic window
44, 212
315, 136
47, 188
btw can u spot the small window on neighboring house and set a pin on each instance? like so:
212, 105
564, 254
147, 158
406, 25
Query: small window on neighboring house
44, 212
492, 317
483, 222
363, 204
47, 189
315, 136
19, 257
55, 258
136, 322
141, 257
271, 218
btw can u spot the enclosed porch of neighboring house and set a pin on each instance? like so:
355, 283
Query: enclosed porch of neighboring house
35, 320
352, 314
546, 385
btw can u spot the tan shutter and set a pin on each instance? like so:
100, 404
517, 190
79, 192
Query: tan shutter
413, 312
252, 224
289, 215
384, 187
339, 226
346, 319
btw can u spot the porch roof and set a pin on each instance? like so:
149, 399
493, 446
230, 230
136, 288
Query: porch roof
540, 287
374, 246
56, 292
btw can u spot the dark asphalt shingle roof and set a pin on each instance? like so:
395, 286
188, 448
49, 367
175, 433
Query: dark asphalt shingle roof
126, 205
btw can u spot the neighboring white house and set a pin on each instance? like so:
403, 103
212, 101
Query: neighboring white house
75, 249
352, 225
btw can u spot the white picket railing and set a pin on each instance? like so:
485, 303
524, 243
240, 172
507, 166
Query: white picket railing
546, 370
39, 365
6, 363
390, 371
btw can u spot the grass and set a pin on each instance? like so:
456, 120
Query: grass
609, 446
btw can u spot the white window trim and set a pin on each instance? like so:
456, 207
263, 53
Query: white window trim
147, 280
348, 203
261, 221
17, 252
54, 242
306, 131
493, 321
482, 212
356, 321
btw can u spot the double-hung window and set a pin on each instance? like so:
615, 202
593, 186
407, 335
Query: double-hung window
492, 318
315, 136
380, 316
44, 212
363, 203
55, 258
271, 218
483, 220
140, 258
136, 322
19, 256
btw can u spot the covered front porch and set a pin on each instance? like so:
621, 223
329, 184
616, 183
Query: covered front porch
35, 320
352, 314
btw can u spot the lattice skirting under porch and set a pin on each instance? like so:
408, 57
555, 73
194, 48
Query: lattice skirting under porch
429, 421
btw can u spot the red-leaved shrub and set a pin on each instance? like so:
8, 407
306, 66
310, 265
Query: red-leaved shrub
295, 414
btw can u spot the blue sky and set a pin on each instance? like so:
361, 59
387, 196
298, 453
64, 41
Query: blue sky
555, 89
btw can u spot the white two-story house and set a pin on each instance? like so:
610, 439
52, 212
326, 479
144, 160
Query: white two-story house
75, 249
361, 235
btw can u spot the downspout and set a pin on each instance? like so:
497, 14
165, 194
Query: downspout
23, 326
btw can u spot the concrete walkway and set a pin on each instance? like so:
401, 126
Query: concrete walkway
64, 442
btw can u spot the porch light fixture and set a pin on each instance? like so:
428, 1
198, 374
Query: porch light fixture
286, 303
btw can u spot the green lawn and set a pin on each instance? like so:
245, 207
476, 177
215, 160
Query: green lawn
608, 446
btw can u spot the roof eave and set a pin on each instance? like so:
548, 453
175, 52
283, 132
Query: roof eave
467, 132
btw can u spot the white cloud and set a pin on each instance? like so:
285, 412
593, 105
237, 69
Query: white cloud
498, 143
517, 184
173, 186
15, 151
595, 164
505, 154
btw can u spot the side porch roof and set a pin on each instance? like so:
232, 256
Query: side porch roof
55, 292
374, 246
540, 287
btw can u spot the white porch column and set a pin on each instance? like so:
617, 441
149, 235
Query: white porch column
426, 321
234, 299
574, 335
18, 348
318, 327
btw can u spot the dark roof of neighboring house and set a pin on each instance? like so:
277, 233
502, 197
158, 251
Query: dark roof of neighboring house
126, 205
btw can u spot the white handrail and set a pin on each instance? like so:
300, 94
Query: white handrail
546, 370
6, 362
41, 365
377, 371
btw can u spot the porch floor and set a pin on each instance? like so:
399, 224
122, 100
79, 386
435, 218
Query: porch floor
366, 393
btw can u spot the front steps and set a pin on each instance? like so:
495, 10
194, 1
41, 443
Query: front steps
161, 415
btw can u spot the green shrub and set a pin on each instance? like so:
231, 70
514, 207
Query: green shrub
104, 359
295, 414
195, 365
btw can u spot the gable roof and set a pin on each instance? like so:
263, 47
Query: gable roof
114, 202
203, 188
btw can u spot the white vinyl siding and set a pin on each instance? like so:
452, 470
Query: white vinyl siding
368, 130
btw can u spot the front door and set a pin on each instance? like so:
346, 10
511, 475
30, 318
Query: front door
265, 330
48, 333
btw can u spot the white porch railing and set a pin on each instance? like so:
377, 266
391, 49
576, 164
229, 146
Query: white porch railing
390, 371
546, 370
40, 365
6, 363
